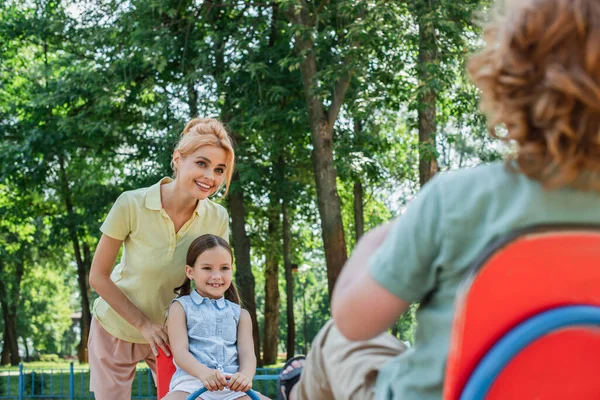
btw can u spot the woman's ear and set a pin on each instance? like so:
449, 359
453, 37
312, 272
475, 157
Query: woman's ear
189, 272
176, 158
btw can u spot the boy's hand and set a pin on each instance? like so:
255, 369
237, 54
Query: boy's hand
239, 383
214, 380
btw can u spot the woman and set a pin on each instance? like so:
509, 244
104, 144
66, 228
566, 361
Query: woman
155, 226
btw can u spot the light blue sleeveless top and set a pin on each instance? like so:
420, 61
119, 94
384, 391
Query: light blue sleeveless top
212, 332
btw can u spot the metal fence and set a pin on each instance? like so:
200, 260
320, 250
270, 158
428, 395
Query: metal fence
73, 383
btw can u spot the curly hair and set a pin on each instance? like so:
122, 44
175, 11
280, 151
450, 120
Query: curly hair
540, 76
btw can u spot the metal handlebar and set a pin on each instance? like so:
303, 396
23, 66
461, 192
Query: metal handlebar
251, 393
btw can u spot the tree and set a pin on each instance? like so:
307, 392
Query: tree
322, 122
52, 140
17, 231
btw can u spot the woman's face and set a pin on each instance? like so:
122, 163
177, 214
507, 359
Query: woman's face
202, 172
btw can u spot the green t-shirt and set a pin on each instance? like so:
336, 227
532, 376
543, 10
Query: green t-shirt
432, 245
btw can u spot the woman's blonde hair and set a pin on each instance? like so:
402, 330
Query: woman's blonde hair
201, 132
540, 77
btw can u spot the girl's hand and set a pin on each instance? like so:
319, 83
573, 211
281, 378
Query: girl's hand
156, 336
239, 383
213, 380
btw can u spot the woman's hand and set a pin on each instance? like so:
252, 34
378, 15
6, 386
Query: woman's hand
213, 380
239, 383
156, 336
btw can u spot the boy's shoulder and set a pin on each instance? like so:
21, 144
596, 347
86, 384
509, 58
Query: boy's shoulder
483, 173
482, 180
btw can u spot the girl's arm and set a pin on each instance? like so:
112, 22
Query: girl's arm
102, 265
178, 336
242, 381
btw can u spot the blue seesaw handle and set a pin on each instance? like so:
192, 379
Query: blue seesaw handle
251, 393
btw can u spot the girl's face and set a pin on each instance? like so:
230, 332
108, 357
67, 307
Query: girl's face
212, 272
202, 172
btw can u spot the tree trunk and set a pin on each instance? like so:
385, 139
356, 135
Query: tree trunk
86, 315
241, 248
10, 350
5, 358
9, 299
321, 126
428, 55
289, 283
192, 99
27, 353
271, 330
359, 219
83, 261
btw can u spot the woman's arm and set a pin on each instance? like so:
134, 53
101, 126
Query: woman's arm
178, 335
242, 380
361, 307
102, 265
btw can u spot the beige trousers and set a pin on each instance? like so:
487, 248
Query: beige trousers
113, 362
337, 368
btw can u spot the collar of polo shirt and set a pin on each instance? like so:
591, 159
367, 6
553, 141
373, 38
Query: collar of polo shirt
153, 201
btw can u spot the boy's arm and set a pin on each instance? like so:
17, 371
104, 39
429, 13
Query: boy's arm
360, 306
392, 266
178, 338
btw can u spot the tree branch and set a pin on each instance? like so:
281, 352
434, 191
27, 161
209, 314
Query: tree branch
323, 4
339, 94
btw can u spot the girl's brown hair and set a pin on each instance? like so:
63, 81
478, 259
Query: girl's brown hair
199, 246
540, 77
201, 132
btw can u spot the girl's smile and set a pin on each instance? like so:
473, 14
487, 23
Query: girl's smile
212, 272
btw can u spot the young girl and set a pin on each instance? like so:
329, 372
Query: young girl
210, 334
155, 225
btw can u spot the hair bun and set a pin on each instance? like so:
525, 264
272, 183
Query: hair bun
195, 122
206, 126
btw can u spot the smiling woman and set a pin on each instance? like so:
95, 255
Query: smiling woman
155, 225
210, 136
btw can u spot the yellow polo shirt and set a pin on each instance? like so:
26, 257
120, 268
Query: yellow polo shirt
153, 259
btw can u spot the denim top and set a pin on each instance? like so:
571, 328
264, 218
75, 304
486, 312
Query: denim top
212, 332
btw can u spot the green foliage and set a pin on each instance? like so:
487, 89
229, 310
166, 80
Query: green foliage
49, 358
45, 310
94, 95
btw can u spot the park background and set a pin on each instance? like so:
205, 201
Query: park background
340, 110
